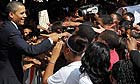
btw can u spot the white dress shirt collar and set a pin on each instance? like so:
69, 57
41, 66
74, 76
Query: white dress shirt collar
15, 24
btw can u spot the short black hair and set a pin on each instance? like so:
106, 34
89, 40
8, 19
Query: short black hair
86, 30
107, 19
111, 38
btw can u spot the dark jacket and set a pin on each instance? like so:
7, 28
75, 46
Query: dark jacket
12, 46
135, 57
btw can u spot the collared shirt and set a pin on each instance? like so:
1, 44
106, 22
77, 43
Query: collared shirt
15, 24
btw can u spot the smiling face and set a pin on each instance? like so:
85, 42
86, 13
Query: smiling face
19, 15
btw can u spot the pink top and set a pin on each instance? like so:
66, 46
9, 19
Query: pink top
114, 57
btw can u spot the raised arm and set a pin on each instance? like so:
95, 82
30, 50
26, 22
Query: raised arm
50, 67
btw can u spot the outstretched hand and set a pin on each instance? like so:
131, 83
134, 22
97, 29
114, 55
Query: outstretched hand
131, 43
55, 36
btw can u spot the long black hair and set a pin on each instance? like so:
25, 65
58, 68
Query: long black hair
123, 72
96, 62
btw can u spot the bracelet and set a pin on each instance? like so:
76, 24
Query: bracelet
52, 62
134, 49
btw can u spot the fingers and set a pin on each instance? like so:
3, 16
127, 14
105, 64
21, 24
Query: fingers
56, 51
57, 48
56, 37
65, 34
131, 40
59, 45
99, 30
36, 61
65, 24
131, 43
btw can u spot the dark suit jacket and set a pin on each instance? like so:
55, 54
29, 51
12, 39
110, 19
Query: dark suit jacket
12, 46
135, 57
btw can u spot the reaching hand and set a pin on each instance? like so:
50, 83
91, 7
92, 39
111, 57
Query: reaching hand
55, 37
131, 43
56, 51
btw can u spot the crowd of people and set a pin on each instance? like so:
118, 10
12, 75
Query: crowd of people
90, 48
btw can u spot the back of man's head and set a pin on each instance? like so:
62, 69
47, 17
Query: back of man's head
107, 19
85, 30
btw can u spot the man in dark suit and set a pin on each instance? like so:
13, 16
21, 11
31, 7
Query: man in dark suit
12, 45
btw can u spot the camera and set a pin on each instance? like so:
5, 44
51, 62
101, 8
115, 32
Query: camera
88, 9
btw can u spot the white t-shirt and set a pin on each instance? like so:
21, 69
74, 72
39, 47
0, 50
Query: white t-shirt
69, 74
84, 79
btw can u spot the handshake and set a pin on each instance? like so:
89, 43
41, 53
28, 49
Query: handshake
56, 37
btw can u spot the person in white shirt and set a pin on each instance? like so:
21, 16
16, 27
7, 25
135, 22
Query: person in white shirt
73, 49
